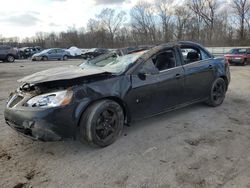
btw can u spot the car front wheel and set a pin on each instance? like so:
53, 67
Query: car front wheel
217, 93
10, 58
45, 58
102, 123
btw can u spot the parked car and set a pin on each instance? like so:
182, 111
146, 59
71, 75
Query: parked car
240, 56
98, 97
8, 54
94, 52
27, 52
51, 54
74, 51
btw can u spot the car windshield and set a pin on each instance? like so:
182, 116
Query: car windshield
113, 63
237, 51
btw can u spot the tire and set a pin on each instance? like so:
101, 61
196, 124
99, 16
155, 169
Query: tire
244, 63
45, 58
65, 58
102, 123
10, 58
217, 93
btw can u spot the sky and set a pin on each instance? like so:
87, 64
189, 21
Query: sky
27, 17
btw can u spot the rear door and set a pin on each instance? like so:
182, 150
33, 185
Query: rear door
4, 51
199, 73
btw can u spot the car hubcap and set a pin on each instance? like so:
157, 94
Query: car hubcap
106, 125
218, 92
10, 58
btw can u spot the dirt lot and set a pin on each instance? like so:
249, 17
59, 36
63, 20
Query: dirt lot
197, 146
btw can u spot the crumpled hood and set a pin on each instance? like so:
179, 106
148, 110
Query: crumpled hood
59, 73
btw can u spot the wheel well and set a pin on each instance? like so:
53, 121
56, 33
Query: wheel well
117, 100
10, 55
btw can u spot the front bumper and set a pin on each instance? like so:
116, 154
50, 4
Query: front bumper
50, 124
36, 58
235, 61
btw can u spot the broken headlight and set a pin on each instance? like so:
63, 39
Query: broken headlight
48, 100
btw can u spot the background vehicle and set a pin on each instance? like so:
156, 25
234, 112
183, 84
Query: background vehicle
51, 54
98, 97
74, 51
27, 52
8, 54
240, 56
94, 52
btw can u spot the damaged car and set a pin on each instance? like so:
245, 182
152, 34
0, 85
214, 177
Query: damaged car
97, 98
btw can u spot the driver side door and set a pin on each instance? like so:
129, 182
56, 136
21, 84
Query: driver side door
139, 98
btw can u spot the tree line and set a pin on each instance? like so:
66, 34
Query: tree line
210, 22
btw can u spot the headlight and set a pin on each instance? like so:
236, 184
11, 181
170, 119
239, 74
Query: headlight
48, 100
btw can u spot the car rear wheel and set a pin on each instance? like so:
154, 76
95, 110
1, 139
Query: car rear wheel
102, 123
65, 58
10, 59
45, 58
217, 93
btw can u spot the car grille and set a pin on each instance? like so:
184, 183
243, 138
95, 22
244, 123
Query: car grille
14, 101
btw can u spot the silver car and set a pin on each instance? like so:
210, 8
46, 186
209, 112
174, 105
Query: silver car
51, 54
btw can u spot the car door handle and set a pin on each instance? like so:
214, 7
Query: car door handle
178, 76
210, 66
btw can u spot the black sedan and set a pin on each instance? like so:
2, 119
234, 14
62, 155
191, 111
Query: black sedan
98, 97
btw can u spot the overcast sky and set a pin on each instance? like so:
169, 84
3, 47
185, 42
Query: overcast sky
23, 18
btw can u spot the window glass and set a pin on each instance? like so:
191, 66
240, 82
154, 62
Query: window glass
164, 60
149, 67
190, 54
204, 55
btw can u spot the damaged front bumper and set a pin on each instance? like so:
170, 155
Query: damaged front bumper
50, 124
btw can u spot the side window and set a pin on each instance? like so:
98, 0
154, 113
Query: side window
149, 67
204, 55
165, 60
52, 51
190, 54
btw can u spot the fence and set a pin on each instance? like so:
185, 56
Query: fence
220, 51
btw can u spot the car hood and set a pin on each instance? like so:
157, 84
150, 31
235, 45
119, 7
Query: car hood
60, 73
38, 54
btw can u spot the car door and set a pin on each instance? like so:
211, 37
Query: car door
170, 81
199, 73
52, 54
139, 97
156, 91
59, 53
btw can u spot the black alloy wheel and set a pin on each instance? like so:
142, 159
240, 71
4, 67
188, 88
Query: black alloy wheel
106, 124
102, 123
217, 94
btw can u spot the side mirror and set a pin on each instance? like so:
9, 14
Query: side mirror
142, 75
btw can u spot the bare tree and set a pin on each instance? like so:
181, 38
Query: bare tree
143, 22
111, 21
182, 15
164, 9
242, 9
206, 10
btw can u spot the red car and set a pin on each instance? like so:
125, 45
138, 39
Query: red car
240, 56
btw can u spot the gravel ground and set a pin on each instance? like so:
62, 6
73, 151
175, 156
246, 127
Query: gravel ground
197, 146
